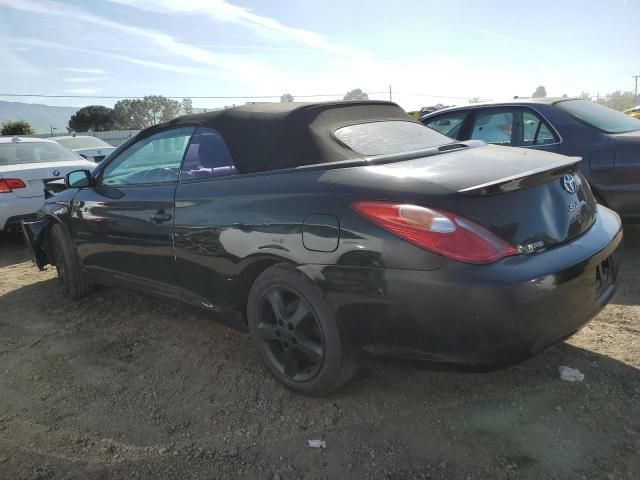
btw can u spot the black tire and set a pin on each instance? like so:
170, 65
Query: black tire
310, 374
71, 277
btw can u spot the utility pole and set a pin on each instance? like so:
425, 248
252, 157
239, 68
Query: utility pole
635, 77
391, 96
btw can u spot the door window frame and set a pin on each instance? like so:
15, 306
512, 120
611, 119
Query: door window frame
470, 121
184, 181
492, 110
462, 131
97, 174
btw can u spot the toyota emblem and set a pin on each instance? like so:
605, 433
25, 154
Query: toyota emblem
569, 183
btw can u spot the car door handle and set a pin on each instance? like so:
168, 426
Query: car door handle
160, 217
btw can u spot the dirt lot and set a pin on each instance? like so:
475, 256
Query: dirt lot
122, 386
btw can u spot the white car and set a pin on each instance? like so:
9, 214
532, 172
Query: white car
91, 148
25, 165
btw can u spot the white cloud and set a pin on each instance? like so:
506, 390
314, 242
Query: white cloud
15, 64
491, 33
223, 11
83, 79
236, 67
58, 46
90, 71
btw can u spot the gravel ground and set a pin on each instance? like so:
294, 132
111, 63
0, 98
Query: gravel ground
119, 385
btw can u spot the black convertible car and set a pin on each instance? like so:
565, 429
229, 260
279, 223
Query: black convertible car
336, 230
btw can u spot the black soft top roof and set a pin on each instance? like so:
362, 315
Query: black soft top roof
270, 136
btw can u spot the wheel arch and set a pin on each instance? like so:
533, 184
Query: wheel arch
248, 276
250, 273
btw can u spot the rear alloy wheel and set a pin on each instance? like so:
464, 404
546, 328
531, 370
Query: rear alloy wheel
290, 334
73, 281
295, 332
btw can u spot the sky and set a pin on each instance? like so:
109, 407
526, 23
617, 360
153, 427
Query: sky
427, 51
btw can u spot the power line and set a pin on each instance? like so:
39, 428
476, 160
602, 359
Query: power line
225, 97
219, 97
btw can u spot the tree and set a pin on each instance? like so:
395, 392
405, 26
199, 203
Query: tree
17, 127
286, 98
129, 114
96, 118
540, 92
474, 100
356, 94
141, 113
585, 96
186, 106
160, 109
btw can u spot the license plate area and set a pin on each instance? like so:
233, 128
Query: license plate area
605, 275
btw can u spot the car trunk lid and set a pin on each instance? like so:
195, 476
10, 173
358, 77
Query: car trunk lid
34, 175
534, 200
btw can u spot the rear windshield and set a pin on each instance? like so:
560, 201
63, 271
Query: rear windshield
599, 116
83, 142
32, 152
384, 138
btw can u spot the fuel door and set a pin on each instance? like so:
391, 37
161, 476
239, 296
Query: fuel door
321, 232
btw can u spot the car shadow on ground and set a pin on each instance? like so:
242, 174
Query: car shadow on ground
12, 249
629, 275
125, 384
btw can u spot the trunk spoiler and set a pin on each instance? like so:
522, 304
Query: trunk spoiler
525, 179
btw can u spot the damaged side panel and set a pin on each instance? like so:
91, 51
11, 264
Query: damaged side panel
34, 236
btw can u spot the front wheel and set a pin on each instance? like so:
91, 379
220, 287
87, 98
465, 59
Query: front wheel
295, 332
71, 277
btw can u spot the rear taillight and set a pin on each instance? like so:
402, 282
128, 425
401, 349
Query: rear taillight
9, 184
438, 231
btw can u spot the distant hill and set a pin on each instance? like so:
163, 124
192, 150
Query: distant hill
41, 117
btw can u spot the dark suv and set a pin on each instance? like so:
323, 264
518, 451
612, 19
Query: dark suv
608, 141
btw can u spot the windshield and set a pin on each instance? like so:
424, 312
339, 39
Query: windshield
34, 152
598, 116
83, 142
384, 138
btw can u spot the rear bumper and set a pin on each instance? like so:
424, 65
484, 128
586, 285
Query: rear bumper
481, 316
13, 209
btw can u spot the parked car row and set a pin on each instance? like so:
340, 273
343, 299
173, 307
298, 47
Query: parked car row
87, 146
337, 231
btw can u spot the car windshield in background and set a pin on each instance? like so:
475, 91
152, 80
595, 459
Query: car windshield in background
83, 142
599, 116
384, 138
34, 152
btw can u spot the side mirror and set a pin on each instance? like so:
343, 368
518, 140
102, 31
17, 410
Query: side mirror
77, 179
